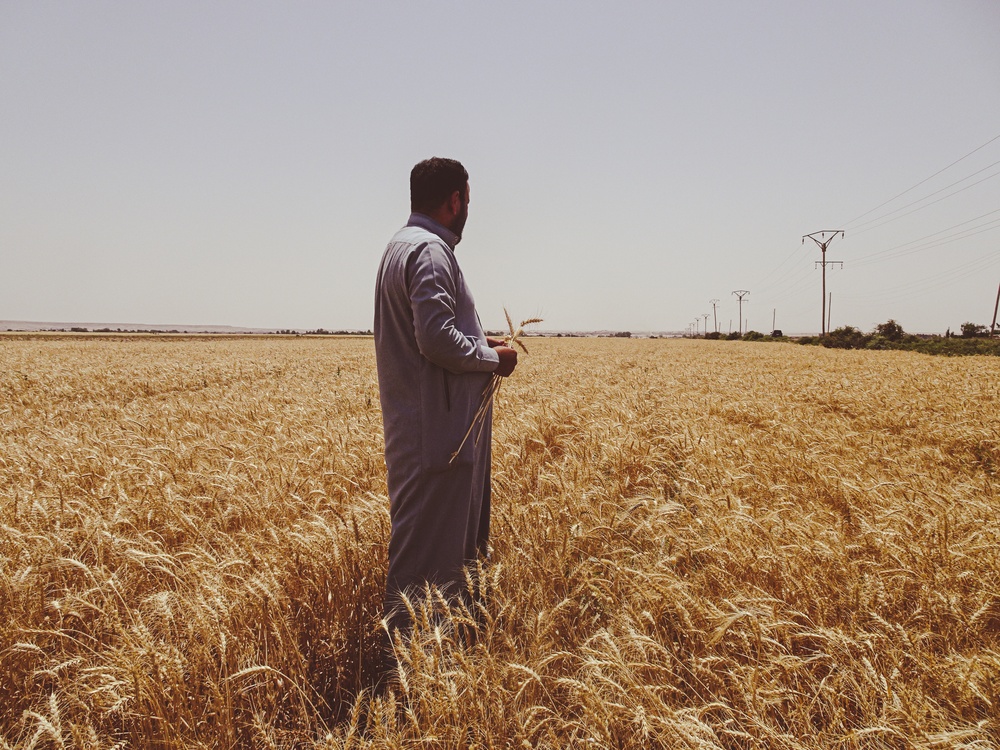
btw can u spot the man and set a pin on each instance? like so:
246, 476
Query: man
434, 361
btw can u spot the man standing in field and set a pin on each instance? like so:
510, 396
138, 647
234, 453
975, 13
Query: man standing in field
434, 361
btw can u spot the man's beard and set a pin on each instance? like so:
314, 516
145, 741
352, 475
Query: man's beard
459, 223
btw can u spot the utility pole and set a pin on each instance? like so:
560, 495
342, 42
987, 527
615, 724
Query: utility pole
715, 316
774, 317
829, 310
705, 316
823, 244
740, 294
995, 308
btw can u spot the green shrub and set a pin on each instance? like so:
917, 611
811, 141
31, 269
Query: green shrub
845, 337
890, 331
880, 342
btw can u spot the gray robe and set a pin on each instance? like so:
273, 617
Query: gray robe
433, 365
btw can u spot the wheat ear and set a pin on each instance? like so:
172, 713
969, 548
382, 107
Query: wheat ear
490, 391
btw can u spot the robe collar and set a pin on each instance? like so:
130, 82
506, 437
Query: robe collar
426, 222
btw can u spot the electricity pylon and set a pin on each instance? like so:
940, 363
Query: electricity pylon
740, 294
823, 243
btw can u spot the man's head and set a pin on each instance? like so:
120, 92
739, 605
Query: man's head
439, 188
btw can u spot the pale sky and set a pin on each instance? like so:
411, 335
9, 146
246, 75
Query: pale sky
245, 163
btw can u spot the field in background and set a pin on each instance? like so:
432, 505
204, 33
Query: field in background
696, 544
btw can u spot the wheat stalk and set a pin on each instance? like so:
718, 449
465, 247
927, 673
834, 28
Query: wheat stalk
490, 391
192, 537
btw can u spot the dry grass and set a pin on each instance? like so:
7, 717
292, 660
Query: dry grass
697, 544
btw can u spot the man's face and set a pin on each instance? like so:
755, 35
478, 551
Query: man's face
458, 224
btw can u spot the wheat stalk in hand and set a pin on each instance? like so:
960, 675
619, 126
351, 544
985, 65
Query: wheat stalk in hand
479, 420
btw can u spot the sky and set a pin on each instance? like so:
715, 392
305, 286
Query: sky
245, 163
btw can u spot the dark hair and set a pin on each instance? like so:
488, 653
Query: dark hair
433, 180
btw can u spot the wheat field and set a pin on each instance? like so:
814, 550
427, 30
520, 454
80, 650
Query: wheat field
695, 545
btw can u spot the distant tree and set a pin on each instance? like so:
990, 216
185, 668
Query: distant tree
845, 337
890, 330
973, 330
623, 335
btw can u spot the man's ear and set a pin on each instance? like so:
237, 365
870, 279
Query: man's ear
455, 204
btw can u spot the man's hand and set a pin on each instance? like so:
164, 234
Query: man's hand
508, 360
493, 343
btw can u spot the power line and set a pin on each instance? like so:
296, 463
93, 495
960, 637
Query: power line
778, 267
791, 277
787, 282
928, 283
790, 281
932, 234
914, 187
783, 277
795, 287
920, 208
791, 285
963, 235
799, 291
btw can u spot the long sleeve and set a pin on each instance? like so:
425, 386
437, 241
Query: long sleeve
433, 292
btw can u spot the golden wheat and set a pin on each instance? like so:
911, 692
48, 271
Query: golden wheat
696, 544
490, 391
